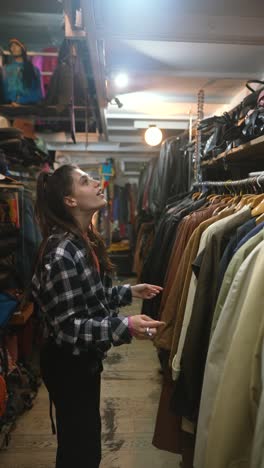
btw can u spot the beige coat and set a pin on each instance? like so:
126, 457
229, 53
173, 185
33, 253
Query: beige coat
233, 267
257, 455
231, 430
220, 345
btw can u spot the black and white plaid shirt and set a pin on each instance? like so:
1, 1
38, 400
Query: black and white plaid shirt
80, 307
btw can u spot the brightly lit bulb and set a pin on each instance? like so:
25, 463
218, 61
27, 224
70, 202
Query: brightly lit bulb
121, 80
153, 136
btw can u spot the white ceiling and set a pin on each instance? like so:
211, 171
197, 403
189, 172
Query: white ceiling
170, 49
37, 23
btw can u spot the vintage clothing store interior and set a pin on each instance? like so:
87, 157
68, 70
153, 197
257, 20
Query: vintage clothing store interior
87, 83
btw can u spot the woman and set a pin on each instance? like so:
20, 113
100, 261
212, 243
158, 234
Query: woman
72, 287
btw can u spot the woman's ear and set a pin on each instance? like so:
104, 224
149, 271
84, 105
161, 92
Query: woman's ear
70, 202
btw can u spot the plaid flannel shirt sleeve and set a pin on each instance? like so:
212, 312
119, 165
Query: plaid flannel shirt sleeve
76, 318
119, 296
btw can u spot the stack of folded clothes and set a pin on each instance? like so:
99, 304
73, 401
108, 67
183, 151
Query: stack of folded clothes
21, 150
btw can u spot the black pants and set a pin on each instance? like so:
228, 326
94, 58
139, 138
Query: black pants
73, 383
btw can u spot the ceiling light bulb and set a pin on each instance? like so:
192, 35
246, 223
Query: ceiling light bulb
153, 136
121, 80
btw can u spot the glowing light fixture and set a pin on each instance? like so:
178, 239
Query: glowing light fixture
153, 135
121, 80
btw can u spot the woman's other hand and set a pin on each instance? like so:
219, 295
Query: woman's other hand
145, 291
143, 327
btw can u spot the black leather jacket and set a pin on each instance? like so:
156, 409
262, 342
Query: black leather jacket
170, 175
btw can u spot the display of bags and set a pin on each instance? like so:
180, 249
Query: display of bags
239, 125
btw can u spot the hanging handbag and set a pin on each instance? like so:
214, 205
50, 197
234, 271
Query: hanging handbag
251, 101
254, 124
222, 131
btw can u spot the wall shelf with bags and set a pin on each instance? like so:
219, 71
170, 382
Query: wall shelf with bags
253, 149
232, 144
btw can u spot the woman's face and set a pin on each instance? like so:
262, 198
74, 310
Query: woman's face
87, 192
15, 49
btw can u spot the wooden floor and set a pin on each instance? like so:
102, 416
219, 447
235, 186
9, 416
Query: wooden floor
130, 394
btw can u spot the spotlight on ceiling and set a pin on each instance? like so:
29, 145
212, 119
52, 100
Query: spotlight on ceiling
121, 80
153, 135
115, 102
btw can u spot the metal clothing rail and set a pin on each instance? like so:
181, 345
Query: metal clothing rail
258, 180
11, 186
33, 54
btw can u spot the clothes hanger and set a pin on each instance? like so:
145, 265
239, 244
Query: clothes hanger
196, 195
216, 198
259, 209
260, 219
244, 201
227, 198
256, 197
255, 200
236, 199
201, 195
212, 196
240, 199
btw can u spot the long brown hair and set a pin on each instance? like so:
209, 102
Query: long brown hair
51, 212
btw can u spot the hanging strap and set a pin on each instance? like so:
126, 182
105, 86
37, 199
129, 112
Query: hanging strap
248, 84
53, 427
96, 261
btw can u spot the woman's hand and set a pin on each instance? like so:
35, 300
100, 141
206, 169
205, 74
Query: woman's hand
145, 291
143, 327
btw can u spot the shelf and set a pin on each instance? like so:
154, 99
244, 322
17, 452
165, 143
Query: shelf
11, 186
22, 317
252, 149
45, 112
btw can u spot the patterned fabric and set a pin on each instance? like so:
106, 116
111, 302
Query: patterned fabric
14, 89
79, 305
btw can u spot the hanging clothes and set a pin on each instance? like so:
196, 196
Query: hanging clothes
155, 267
179, 271
188, 386
68, 84
209, 266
